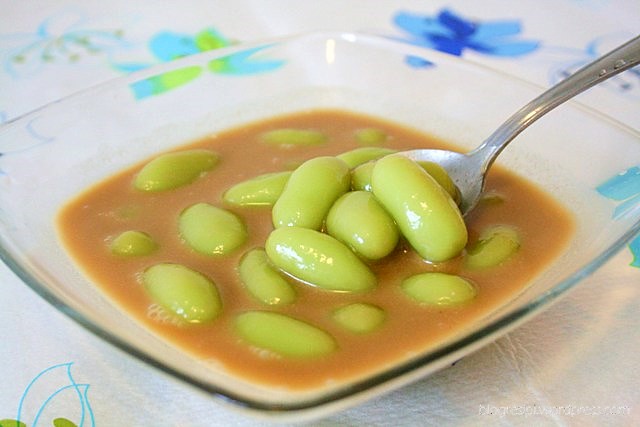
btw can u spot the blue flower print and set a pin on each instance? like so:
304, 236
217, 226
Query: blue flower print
418, 62
625, 189
626, 84
451, 33
167, 46
61, 38
635, 250
31, 138
38, 404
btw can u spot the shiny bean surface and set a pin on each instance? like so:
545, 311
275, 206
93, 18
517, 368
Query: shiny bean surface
133, 243
362, 155
425, 213
173, 170
211, 230
361, 176
182, 291
359, 318
360, 222
441, 176
262, 190
263, 281
310, 192
284, 335
439, 289
495, 246
318, 259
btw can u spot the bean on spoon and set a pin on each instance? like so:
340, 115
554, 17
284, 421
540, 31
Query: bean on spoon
468, 170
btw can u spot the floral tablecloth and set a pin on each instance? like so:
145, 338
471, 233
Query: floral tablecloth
576, 364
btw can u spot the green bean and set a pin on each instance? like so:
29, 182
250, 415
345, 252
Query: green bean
173, 170
133, 243
310, 192
491, 198
263, 281
262, 190
362, 155
288, 138
359, 318
361, 176
358, 220
284, 335
425, 213
439, 289
211, 230
441, 176
318, 259
370, 136
186, 293
496, 245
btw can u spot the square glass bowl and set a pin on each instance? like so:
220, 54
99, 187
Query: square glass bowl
50, 155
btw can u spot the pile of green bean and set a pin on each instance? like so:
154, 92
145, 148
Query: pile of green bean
332, 216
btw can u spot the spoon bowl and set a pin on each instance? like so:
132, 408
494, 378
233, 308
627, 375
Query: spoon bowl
468, 171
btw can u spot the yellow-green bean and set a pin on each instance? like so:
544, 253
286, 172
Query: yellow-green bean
359, 318
361, 176
186, 293
211, 230
133, 243
442, 177
311, 190
358, 220
426, 214
496, 245
318, 259
439, 289
362, 155
284, 335
263, 281
262, 190
173, 170
491, 198
370, 136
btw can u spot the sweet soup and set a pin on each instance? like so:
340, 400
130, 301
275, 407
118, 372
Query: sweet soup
299, 249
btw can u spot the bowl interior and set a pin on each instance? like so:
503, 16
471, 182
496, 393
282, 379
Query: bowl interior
52, 154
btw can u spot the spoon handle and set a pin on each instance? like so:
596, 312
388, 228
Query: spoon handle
614, 62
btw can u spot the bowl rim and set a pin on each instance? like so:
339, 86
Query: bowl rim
354, 389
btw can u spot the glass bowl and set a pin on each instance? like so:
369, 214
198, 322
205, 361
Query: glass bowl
52, 154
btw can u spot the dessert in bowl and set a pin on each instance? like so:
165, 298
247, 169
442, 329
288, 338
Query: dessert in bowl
223, 107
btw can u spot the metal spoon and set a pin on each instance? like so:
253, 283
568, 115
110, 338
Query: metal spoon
468, 171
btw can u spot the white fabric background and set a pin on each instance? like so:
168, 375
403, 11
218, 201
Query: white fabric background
580, 353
